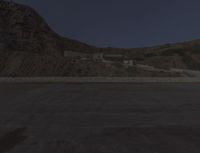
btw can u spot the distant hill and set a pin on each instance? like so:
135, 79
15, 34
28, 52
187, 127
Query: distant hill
185, 55
23, 29
29, 47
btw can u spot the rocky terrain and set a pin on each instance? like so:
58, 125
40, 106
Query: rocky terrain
22, 29
29, 47
184, 55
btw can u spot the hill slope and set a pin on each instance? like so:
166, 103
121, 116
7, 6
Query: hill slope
185, 55
22, 29
29, 47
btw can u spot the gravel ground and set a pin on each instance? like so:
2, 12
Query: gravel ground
100, 118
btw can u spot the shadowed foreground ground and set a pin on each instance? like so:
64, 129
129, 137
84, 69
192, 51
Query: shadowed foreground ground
100, 118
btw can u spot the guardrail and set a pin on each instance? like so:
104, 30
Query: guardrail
99, 80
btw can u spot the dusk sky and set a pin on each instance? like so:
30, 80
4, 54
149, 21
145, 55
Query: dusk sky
122, 23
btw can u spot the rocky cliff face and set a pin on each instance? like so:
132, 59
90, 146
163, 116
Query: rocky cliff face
22, 29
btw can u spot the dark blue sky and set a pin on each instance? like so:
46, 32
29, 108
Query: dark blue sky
122, 23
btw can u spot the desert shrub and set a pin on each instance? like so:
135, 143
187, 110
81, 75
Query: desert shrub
139, 59
195, 49
150, 55
13, 74
174, 51
190, 62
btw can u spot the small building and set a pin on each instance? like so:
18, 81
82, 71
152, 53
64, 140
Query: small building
97, 56
128, 63
84, 55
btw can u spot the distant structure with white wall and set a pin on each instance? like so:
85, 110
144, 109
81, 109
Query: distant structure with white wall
128, 63
100, 57
83, 55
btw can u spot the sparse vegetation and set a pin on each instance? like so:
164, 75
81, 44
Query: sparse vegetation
150, 55
190, 62
195, 49
174, 51
139, 59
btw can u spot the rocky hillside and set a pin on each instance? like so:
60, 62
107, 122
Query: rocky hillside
22, 29
29, 47
185, 55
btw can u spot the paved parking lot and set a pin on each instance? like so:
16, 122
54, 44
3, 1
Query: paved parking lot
100, 118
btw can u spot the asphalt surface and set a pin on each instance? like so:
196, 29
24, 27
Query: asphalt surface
100, 118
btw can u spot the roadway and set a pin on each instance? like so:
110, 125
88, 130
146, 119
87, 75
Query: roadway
100, 118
